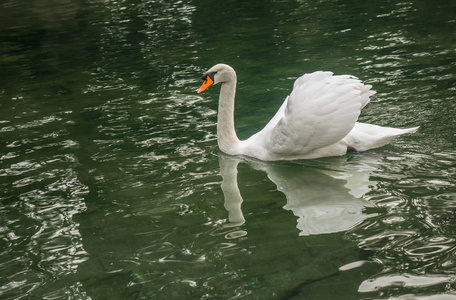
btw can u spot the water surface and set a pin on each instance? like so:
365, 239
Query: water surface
112, 186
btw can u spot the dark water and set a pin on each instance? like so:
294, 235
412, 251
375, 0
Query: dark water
111, 181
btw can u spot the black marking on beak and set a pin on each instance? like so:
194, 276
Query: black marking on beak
210, 75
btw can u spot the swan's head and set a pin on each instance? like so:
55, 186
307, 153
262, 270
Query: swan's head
216, 74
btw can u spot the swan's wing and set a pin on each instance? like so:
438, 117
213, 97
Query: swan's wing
320, 111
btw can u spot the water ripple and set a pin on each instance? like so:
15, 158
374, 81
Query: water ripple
109, 179
40, 195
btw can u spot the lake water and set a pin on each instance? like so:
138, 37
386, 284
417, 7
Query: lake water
112, 186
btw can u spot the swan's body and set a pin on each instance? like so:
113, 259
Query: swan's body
317, 119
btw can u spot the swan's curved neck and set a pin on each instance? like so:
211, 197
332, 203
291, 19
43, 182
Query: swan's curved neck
226, 134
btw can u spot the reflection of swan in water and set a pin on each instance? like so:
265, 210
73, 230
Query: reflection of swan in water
324, 201
233, 198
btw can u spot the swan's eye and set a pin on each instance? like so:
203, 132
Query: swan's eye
210, 75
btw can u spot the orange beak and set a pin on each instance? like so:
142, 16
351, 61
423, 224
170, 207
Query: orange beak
207, 83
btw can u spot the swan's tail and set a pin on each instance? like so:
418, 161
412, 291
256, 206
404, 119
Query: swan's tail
367, 136
410, 130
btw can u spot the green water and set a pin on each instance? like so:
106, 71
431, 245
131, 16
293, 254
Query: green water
111, 183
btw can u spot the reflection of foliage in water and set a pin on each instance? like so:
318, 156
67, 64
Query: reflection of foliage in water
109, 173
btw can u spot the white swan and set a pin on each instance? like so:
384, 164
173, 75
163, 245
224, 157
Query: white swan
317, 119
